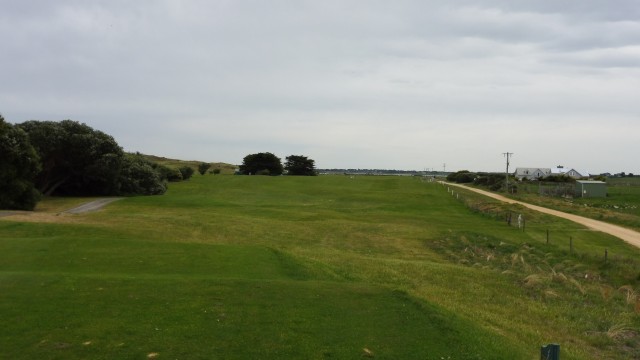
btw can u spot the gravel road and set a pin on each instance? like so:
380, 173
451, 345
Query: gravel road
628, 235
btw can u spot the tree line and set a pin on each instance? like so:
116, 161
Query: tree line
267, 163
69, 158
72, 159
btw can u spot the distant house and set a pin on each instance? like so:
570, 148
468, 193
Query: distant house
538, 173
590, 189
532, 173
577, 174
571, 173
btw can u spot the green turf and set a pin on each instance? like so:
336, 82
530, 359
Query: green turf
236, 267
125, 299
226, 319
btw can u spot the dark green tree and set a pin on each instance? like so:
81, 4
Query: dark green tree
138, 177
261, 164
300, 165
76, 159
19, 165
203, 167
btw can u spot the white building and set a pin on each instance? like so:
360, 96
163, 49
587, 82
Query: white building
576, 174
532, 173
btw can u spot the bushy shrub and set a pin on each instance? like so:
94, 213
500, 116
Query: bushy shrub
492, 181
560, 179
496, 186
462, 177
168, 174
203, 167
186, 172
138, 177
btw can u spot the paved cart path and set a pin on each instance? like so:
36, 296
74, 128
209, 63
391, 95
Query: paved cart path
92, 206
628, 235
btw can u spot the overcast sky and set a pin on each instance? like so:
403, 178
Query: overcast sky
351, 84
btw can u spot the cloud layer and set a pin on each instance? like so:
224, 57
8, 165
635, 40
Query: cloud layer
364, 84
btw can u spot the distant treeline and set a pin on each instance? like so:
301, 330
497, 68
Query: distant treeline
381, 172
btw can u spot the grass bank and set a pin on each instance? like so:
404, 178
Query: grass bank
320, 267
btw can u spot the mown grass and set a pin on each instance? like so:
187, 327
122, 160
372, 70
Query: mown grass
319, 267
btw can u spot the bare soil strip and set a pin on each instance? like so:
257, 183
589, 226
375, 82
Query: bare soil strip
628, 235
92, 206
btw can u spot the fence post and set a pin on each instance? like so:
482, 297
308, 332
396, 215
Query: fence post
606, 255
550, 352
570, 245
547, 236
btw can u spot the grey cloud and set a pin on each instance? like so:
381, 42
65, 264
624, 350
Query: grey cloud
624, 57
220, 78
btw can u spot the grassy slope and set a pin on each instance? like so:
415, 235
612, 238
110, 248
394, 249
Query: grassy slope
245, 267
173, 163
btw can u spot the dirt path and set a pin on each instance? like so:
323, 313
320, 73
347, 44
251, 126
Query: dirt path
628, 235
54, 216
92, 206
4, 213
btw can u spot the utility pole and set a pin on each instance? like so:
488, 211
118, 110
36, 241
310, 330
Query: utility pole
507, 154
444, 167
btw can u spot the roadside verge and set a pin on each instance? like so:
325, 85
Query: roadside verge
630, 236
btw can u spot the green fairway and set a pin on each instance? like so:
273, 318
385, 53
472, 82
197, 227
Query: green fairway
243, 267
108, 317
